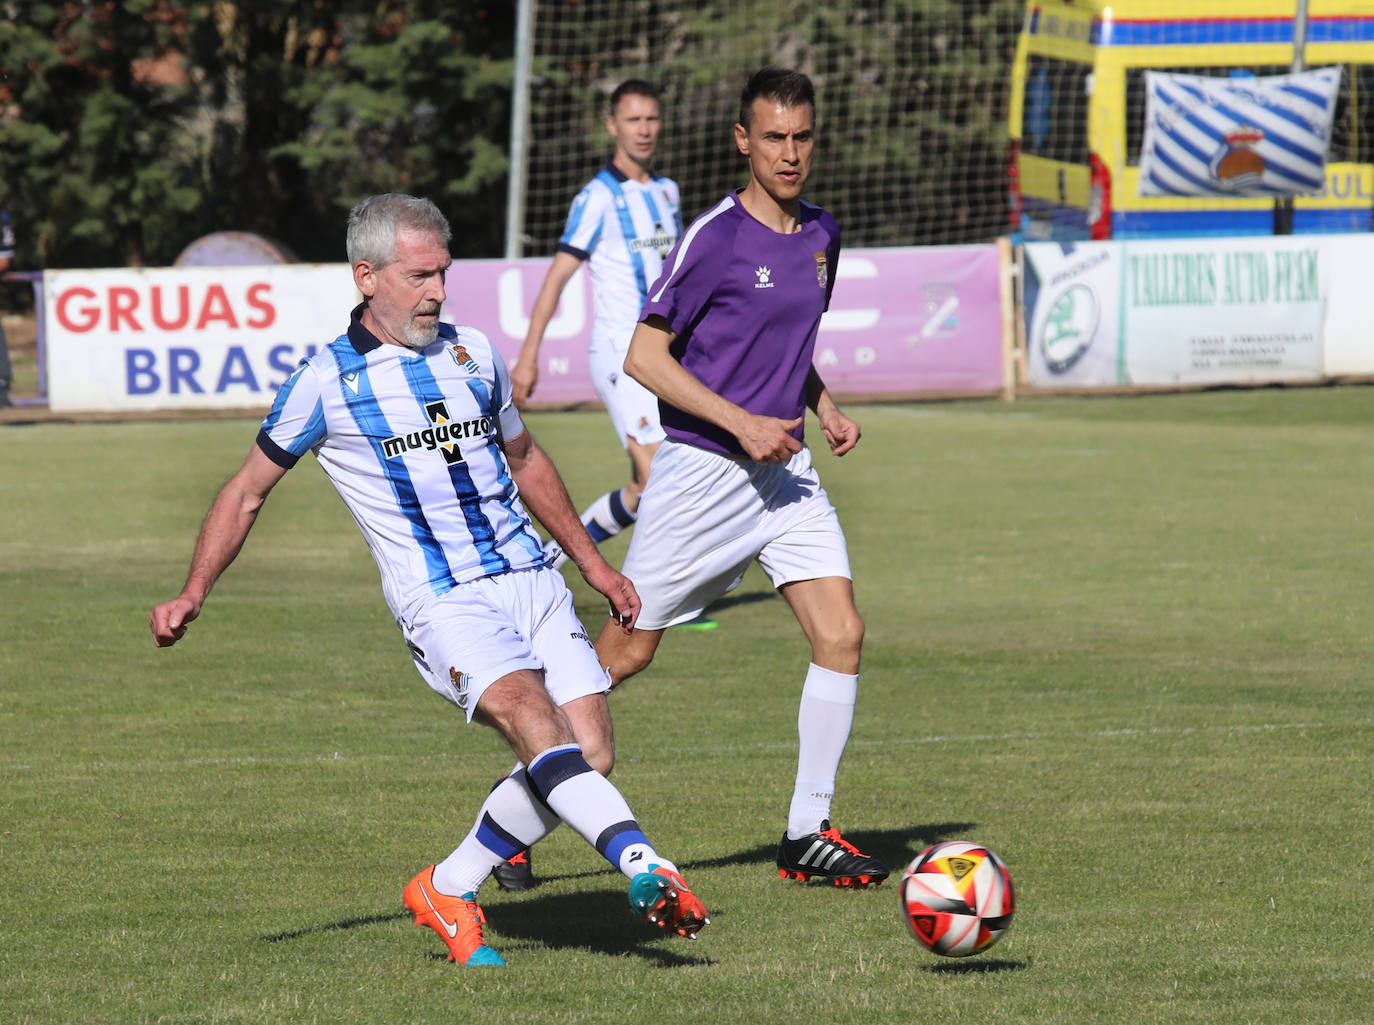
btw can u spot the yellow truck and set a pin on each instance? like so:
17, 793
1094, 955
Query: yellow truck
1077, 112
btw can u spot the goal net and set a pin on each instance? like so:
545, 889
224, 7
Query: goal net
911, 105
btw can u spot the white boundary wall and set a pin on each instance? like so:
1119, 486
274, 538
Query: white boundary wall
1096, 315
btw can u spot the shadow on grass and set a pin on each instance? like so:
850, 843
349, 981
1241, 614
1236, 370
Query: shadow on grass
599, 921
746, 598
896, 847
345, 923
980, 967
585, 920
589, 921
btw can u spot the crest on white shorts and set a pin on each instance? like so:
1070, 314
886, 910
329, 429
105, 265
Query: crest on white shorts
462, 683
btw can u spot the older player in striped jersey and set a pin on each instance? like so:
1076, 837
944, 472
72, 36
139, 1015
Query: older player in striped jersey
413, 422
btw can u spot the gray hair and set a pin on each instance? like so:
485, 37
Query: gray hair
374, 223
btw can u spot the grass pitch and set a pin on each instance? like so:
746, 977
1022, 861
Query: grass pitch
1124, 642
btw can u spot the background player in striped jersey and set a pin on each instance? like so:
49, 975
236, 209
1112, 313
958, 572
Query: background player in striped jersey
412, 421
620, 225
726, 341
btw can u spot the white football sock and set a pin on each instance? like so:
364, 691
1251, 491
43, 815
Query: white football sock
590, 803
512, 818
824, 719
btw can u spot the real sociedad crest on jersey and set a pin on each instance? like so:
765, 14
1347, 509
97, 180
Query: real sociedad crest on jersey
462, 685
822, 273
461, 357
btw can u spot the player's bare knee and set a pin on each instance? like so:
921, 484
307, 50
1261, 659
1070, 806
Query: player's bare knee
591, 723
631, 662
837, 642
520, 709
856, 631
600, 756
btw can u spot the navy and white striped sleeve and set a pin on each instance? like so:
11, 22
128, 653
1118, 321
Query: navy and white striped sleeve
296, 423
583, 229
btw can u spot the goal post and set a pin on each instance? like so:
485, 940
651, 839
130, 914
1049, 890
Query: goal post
911, 106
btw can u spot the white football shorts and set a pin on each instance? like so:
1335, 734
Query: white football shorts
704, 517
465, 640
633, 409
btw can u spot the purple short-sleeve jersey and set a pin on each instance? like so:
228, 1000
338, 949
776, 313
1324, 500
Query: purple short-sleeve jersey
745, 303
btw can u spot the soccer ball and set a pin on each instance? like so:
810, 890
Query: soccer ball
957, 898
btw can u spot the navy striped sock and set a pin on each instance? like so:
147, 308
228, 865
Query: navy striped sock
591, 804
607, 516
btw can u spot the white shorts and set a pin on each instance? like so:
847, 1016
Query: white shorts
467, 639
633, 409
704, 517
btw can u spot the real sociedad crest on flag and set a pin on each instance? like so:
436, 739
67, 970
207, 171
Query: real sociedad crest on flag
1253, 137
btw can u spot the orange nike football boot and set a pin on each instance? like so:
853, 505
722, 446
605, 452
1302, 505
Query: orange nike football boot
661, 897
457, 920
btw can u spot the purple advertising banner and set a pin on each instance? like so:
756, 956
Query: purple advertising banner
902, 321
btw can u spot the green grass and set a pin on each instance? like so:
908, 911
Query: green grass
1125, 642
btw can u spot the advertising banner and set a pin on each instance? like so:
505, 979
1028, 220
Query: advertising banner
902, 321
1072, 294
924, 320
1175, 311
1346, 348
1222, 311
185, 338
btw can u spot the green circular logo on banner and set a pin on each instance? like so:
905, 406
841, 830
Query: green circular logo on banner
1069, 328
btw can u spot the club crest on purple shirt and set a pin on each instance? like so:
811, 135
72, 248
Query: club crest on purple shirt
821, 270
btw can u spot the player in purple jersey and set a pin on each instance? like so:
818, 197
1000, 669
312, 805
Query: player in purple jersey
725, 341
489, 625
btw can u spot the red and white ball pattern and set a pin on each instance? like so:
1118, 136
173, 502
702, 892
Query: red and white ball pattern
957, 898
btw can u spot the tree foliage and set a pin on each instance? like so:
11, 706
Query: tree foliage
911, 104
129, 129
88, 143
320, 104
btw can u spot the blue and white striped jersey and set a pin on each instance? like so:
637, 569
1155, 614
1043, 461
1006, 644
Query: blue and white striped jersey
411, 441
623, 229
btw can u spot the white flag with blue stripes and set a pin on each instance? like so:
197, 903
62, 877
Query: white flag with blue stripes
1252, 137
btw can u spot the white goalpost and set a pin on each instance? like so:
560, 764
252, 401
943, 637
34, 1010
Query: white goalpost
911, 98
